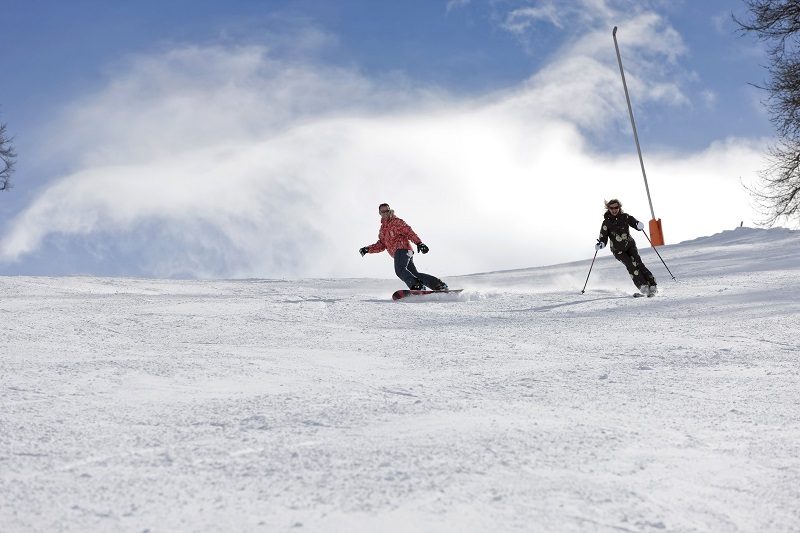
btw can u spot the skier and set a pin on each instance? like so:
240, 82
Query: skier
394, 237
615, 225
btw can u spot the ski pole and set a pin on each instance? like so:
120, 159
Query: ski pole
590, 272
658, 254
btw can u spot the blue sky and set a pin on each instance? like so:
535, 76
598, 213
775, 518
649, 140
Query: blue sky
134, 121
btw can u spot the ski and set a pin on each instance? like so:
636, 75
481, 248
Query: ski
403, 293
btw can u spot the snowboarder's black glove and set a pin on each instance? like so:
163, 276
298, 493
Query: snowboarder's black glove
363, 251
421, 248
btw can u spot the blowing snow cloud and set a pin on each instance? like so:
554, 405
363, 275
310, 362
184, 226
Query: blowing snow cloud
231, 161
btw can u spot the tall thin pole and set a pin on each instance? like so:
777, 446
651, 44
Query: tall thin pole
633, 123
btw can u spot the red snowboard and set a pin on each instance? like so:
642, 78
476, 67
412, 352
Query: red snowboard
408, 292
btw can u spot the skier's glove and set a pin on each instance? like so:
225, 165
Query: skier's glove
363, 251
639, 226
421, 248
600, 245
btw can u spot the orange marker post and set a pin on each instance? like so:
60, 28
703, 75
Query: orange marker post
656, 234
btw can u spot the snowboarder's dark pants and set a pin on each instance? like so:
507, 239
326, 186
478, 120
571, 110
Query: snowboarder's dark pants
639, 273
406, 271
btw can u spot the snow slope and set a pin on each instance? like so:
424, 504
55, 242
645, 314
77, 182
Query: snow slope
321, 405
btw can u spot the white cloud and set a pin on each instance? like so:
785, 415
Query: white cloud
520, 20
230, 162
651, 49
456, 4
709, 98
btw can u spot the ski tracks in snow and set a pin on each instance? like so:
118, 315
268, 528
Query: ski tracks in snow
321, 405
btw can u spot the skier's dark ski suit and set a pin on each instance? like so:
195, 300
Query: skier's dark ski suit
615, 228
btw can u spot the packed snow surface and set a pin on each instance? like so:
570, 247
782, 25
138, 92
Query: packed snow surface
322, 405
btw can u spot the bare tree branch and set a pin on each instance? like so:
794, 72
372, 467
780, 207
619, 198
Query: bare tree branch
7, 159
777, 22
778, 191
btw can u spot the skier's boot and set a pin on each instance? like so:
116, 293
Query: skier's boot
652, 291
645, 289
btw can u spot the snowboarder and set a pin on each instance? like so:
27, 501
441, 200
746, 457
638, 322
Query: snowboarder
394, 237
615, 226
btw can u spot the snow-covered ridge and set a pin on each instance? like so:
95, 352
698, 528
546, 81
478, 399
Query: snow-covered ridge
745, 235
321, 405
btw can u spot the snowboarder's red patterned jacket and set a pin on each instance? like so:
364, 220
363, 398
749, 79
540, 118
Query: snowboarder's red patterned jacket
394, 235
